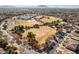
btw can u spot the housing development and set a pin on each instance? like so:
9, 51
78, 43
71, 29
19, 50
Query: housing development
39, 30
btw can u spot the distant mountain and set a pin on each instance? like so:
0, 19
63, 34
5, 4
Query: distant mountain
42, 6
59, 6
6, 6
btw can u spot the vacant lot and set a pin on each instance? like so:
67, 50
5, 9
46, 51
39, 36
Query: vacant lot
28, 23
49, 19
42, 34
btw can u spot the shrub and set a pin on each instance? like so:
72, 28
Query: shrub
3, 43
30, 35
65, 20
27, 27
36, 26
19, 29
10, 50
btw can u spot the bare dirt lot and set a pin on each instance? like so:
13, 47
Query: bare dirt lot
42, 34
28, 23
48, 19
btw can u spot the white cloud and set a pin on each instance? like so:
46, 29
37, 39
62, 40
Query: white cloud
39, 2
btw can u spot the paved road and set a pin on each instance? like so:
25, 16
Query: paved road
54, 50
57, 44
60, 40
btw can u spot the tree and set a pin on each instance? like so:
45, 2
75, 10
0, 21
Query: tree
36, 26
65, 20
5, 27
19, 29
77, 49
27, 27
77, 31
10, 50
3, 43
30, 35
54, 23
31, 39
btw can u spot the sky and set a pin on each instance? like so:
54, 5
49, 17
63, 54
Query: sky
51, 3
39, 2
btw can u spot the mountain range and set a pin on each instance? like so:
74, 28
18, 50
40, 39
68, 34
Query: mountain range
40, 6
